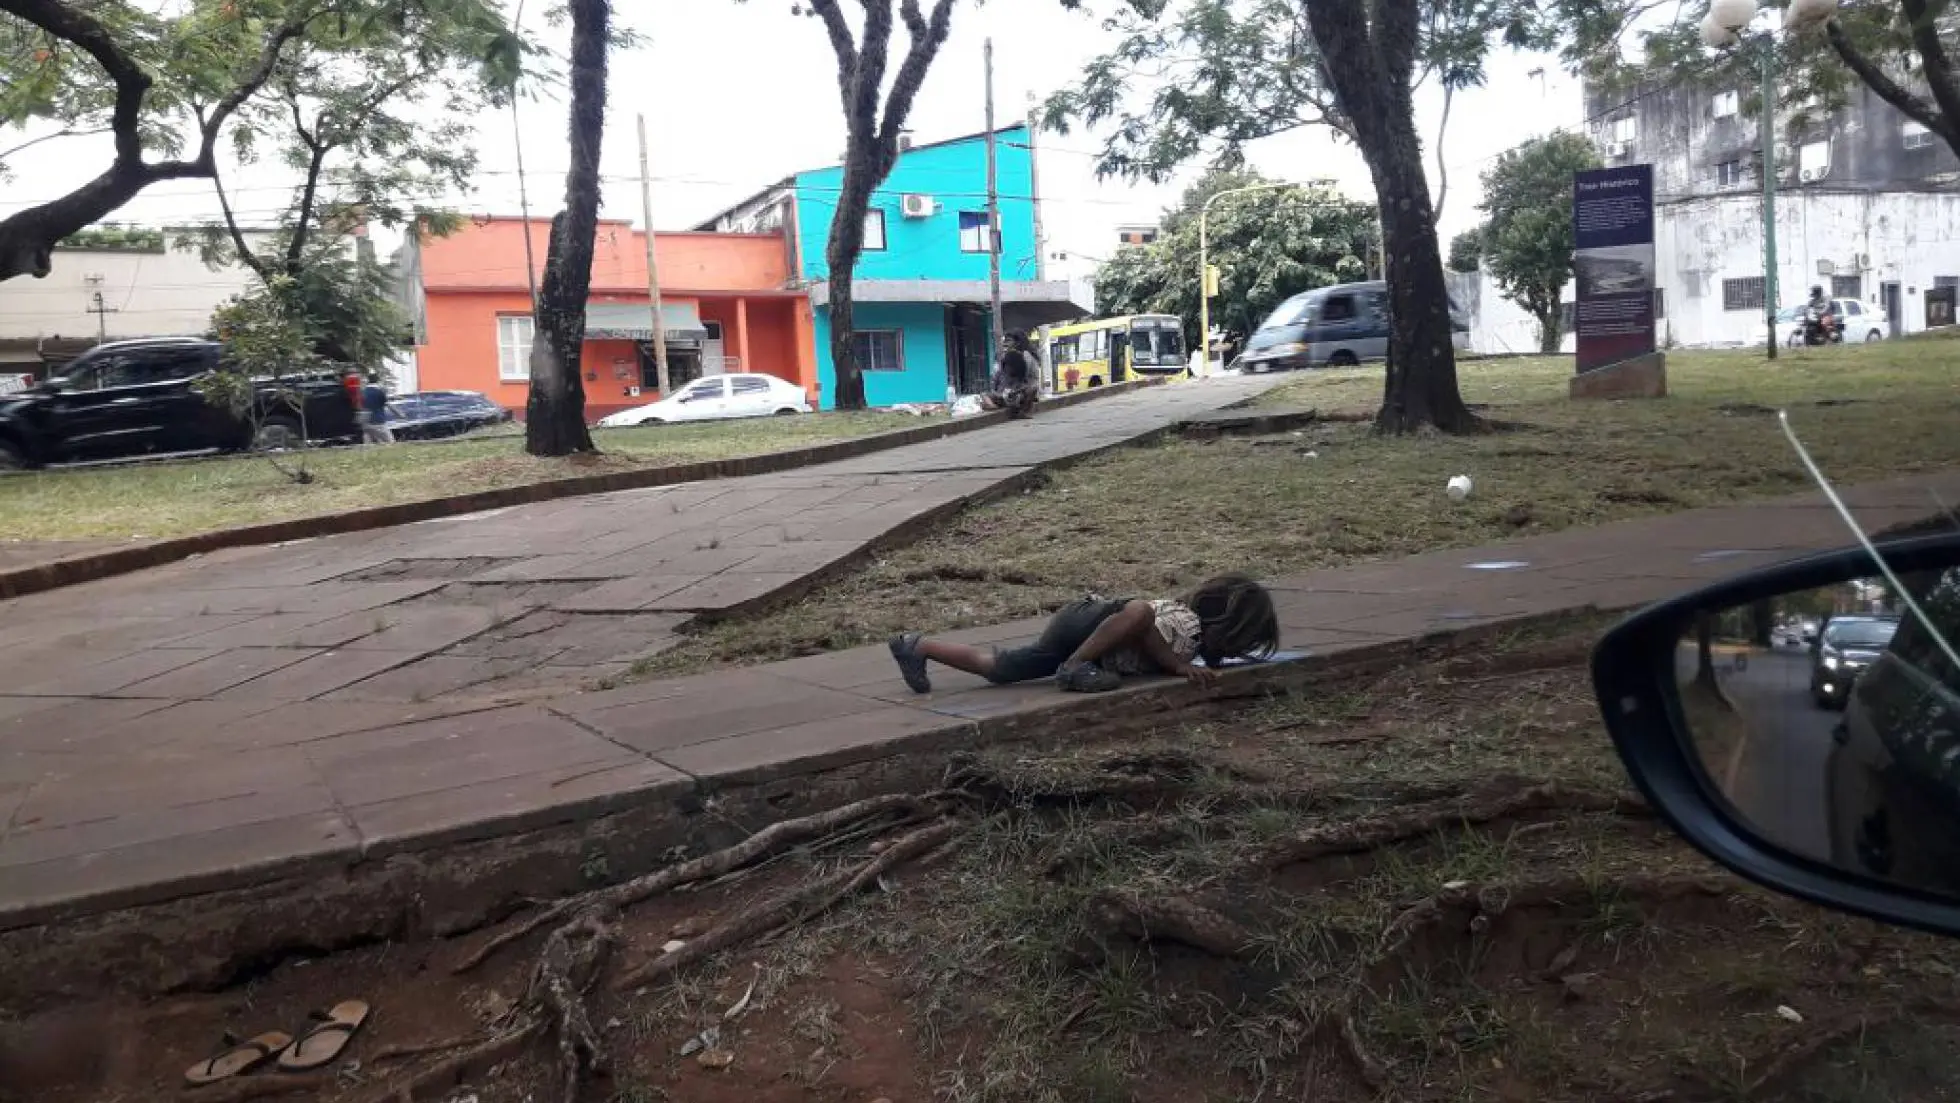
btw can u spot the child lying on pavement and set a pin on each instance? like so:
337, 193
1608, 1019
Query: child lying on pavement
1089, 646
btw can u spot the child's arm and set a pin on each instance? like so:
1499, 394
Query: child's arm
1159, 650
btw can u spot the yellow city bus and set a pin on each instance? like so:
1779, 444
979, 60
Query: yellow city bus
1113, 350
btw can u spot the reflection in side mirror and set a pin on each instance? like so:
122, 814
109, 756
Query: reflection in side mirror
1801, 725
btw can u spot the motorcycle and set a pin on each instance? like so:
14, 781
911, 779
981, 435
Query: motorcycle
1819, 327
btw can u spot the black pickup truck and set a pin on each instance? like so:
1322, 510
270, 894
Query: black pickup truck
134, 398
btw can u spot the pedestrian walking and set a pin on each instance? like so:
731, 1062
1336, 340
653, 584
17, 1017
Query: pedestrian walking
374, 415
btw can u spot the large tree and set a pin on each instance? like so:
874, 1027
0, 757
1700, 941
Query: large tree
1903, 50
163, 82
1267, 246
554, 423
1227, 72
1527, 242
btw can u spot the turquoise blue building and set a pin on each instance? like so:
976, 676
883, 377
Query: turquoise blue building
921, 285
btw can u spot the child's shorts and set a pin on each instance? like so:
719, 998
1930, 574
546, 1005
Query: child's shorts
1067, 630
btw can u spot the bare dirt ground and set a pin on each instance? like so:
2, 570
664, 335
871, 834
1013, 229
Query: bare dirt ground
1428, 885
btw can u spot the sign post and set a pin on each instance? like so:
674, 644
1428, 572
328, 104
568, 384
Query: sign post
1613, 264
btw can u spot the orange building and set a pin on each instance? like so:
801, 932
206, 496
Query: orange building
730, 303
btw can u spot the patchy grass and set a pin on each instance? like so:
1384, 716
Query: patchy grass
177, 498
1156, 519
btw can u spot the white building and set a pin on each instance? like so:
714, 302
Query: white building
1498, 326
135, 289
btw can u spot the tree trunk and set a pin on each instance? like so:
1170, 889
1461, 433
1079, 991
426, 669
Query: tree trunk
1419, 388
555, 415
1705, 651
1550, 332
846, 244
1762, 621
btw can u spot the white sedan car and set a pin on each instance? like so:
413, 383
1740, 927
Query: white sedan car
1863, 322
715, 397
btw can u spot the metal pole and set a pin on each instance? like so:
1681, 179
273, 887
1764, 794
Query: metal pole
993, 210
1204, 264
1034, 189
653, 268
1766, 134
523, 195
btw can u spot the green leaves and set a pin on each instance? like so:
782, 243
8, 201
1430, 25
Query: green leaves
1527, 242
1267, 245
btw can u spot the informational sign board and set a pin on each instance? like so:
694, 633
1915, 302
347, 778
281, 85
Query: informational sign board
1613, 264
11, 384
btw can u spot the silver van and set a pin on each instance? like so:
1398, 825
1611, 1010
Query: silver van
1336, 327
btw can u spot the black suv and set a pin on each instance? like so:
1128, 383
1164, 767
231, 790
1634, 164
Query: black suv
1842, 651
135, 398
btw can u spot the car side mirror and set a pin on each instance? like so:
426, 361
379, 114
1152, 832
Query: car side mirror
54, 384
1834, 775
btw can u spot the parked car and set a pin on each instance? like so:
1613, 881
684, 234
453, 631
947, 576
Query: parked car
1862, 322
717, 396
1843, 651
1336, 327
428, 415
134, 398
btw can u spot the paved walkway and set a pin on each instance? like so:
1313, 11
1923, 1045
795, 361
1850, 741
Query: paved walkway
170, 750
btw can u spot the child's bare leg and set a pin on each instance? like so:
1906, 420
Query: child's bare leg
1113, 632
959, 656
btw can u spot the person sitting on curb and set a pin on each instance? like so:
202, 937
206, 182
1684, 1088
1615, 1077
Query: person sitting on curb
1016, 383
1092, 644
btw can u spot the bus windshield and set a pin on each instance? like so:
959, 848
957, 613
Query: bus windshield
1157, 344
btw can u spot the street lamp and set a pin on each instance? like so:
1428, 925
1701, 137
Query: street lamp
1723, 29
1205, 281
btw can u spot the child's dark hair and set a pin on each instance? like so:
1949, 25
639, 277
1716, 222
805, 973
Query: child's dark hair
1237, 618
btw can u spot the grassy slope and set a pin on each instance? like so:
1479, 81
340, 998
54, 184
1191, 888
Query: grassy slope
1158, 518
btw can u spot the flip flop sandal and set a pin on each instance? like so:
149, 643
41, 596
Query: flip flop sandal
323, 1041
237, 1057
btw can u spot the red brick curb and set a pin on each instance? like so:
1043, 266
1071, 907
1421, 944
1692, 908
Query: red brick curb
52, 575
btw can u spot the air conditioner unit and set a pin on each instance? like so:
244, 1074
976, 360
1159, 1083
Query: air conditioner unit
1808, 175
1864, 260
916, 206
1822, 172
1618, 149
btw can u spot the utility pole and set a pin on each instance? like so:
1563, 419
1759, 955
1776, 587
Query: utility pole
653, 267
1034, 187
1766, 134
101, 311
993, 211
523, 194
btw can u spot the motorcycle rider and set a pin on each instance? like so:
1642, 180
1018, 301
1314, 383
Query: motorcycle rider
1821, 314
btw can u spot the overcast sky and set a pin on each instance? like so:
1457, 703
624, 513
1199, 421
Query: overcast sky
737, 95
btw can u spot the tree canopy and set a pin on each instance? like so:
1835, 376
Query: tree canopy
171, 84
1902, 50
1267, 246
1527, 240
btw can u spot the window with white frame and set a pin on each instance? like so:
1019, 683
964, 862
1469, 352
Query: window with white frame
878, 350
1726, 105
1914, 136
1626, 128
874, 231
973, 231
1729, 173
514, 347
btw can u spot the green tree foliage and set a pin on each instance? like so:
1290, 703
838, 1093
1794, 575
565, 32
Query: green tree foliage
1903, 50
1527, 239
334, 310
1217, 74
1467, 251
167, 81
1267, 246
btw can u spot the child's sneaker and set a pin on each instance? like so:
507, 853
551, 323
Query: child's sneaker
1086, 678
911, 664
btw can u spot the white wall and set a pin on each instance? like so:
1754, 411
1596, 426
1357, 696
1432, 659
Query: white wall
1908, 237
151, 295
1498, 326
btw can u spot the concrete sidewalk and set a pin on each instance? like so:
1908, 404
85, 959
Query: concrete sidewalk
191, 764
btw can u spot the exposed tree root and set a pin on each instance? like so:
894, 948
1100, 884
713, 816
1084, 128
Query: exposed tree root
239, 1089
1369, 832
571, 961
440, 1078
1167, 919
1493, 899
793, 908
769, 840
1372, 1071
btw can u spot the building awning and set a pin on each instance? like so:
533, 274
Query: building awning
1025, 303
634, 322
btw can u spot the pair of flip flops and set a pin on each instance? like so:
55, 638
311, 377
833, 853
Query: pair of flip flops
318, 1045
